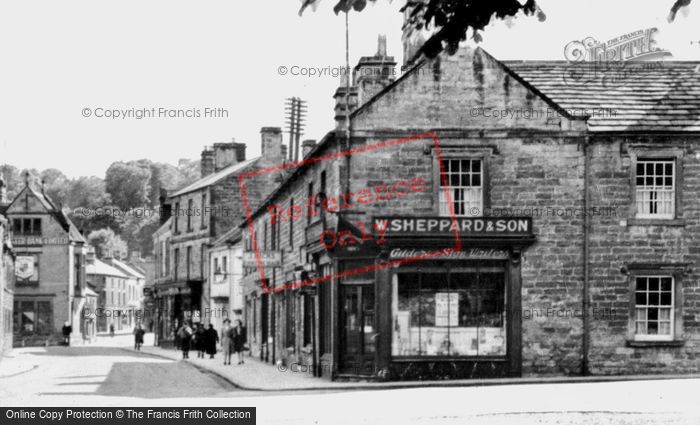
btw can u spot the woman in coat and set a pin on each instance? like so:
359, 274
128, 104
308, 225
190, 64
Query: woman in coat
211, 339
184, 333
238, 333
199, 342
138, 337
226, 341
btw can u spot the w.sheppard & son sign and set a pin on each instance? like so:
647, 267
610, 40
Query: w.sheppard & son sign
446, 226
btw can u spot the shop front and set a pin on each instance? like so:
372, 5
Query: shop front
440, 303
175, 303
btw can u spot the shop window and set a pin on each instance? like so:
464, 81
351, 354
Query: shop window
655, 188
33, 317
654, 308
461, 187
458, 313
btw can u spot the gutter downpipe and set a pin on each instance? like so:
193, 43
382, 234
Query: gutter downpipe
586, 253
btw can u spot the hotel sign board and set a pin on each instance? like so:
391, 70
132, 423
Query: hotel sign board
38, 240
449, 226
268, 258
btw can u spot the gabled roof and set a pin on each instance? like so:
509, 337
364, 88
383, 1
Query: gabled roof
101, 268
215, 177
126, 269
230, 237
628, 96
44, 199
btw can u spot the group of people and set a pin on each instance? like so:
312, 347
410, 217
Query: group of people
204, 341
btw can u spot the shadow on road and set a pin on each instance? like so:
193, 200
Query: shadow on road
160, 380
84, 351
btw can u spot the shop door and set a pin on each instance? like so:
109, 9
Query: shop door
357, 342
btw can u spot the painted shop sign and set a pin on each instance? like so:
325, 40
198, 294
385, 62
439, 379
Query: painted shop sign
452, 254
268, 258
445, 226
38, 240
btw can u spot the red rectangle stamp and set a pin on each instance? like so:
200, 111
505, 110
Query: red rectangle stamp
361, 234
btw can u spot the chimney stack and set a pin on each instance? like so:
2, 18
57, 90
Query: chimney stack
90, 255
165, 207
374, 73
271, 146
207, 164
227, 154
341, 109
412, 39
306, 147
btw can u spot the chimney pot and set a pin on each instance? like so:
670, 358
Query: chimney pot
307, 146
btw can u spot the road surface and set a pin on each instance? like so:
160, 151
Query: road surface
108, 375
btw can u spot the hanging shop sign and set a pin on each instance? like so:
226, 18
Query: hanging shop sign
24, 267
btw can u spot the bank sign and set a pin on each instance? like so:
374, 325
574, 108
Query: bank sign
446, 226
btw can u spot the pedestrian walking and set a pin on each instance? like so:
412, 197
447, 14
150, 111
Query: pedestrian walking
66, 330
200, 340
138, 337
111, 329
227, 341
185, 334
211, 339
239, 340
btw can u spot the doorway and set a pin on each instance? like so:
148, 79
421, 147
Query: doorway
358, 330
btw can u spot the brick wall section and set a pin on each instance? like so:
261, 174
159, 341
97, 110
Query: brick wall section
614, 244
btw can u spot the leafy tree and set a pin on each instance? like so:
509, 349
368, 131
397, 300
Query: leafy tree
127, 184
87, 192
453, 20
13, 181
107, 243
56, 184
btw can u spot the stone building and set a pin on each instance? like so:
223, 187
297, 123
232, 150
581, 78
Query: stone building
49, 270
491, 219
7, 275
225, 275
108, 283
200, 213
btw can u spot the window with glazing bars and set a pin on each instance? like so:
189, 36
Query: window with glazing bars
654, 307
655, 188
465, 186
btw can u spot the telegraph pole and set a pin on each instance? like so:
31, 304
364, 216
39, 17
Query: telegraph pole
295, 109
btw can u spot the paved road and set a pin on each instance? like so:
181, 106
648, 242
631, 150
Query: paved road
108, 375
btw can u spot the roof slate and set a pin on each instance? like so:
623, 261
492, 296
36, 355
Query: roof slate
627, 96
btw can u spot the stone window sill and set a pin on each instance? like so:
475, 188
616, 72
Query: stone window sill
656, 222
651, 344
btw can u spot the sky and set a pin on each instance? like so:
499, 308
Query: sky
61, 61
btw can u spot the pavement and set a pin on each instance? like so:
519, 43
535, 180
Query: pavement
110, 373
255, 375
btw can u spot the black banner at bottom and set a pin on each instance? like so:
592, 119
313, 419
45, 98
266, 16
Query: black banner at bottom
115, 415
